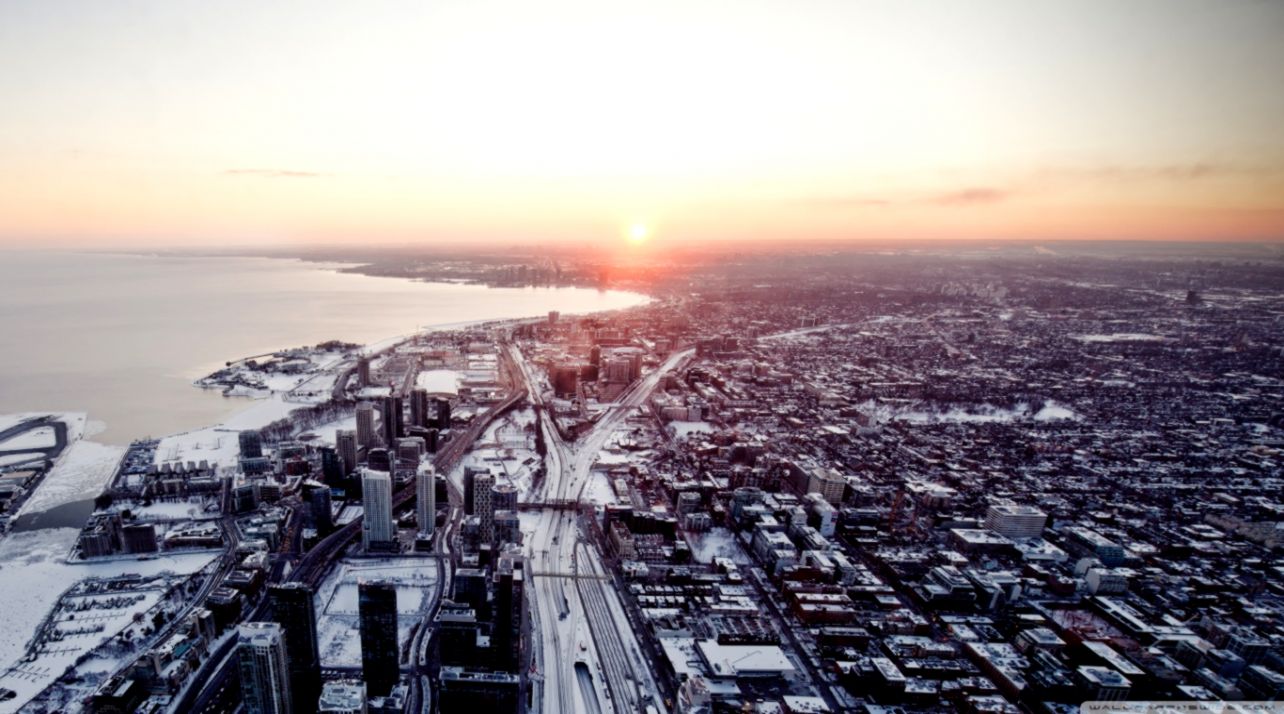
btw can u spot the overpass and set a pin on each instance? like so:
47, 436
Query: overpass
563, 504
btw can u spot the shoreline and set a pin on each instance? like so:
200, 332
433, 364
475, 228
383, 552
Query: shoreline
412, 307
253, 401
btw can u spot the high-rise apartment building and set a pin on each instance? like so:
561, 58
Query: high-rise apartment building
393, 420
377, 610
426, 500
251, 443
419, 404
365, 425
378, 529
345, 442
363, 372
264, 666
828, 483
483, 506
292, 608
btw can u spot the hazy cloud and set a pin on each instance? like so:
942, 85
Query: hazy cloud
968, 196
847, 201
1196, 171
971, 196
274, 173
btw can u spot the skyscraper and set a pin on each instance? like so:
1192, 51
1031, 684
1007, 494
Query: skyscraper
365, 425
391, 413
508, 528
293, 609
377, 608
410, 449
443, 414
419, 407
378, 530
345, 442
320, 514
503, 497
331, 464
483, 506
251, 443
265, 675
470, 477
363, 372
426, 500
509, 609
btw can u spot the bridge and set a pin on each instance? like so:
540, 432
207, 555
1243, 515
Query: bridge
564, 504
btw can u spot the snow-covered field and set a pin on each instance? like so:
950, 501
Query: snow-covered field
439, 381
325, 433
218, 444
81, 472
38, 438
78, 423
33, 575
985, 413
506, 448
338, 622
1121, 337
716, 543
184, 509
683, 430
598, 489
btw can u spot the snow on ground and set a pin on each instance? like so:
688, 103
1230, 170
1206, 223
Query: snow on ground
38, 438
325, 433
82, 471
1121, 337
439, 381
682, 430
612, 457
184, 509
22, 458
598, 489
347, 515
283, 382
984, 413
33, 575
338, 620
218, 444
801, 332
1053, 411
507, 449
716, 543
77, 423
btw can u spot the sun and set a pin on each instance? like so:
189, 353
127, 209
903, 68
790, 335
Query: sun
638, 233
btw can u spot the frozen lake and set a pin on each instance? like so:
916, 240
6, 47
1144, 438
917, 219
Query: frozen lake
122, 336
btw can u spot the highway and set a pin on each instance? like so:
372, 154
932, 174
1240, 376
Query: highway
581, 619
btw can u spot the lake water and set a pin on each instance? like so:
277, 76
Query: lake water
122, 336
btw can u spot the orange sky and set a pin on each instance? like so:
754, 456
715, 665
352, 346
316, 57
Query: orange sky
192, 124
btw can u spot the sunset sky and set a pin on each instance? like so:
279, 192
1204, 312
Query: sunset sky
195, 123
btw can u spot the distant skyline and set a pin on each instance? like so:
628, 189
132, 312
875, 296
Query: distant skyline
179, 124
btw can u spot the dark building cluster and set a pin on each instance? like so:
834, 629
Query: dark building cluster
1013, 490
828, 484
